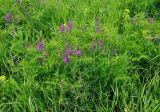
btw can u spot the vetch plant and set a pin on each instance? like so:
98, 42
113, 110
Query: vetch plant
66, 60
99, 43
62, 28
67, 54
8, 18
69, 26
39, 46
67, 51
92, 46
77, 52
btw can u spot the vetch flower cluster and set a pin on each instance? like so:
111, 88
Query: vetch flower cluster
39, 46
67, 27
8, 18
99, 43
77, 52
67, 54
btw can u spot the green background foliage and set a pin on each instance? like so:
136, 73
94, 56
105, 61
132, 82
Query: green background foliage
126, 78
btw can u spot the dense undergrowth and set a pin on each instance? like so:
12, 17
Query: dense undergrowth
80, 55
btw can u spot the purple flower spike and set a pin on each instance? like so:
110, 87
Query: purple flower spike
99, 43
76, 52
66, 60
61, 28
8, 17
67, 54
39, 46
92, 45
79, 53
68, 51
69, 25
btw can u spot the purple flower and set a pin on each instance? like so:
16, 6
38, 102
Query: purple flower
39, 46
68, 51
76, 52
66, 60
67, 54
61, 28
99, 43
155, 40
8, 17
69, 25
92, 45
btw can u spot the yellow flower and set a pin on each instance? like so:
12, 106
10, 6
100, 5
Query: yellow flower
65, 24
145, 33
3, 78
127, 11
126, 110
106, 29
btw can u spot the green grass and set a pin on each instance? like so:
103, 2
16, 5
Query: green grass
121, 76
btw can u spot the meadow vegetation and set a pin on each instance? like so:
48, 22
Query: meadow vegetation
79, 55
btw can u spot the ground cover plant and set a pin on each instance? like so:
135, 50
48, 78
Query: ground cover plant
79, 55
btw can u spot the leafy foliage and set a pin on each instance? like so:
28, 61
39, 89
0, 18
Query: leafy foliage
117, 68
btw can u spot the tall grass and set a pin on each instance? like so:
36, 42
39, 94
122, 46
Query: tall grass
122, 75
